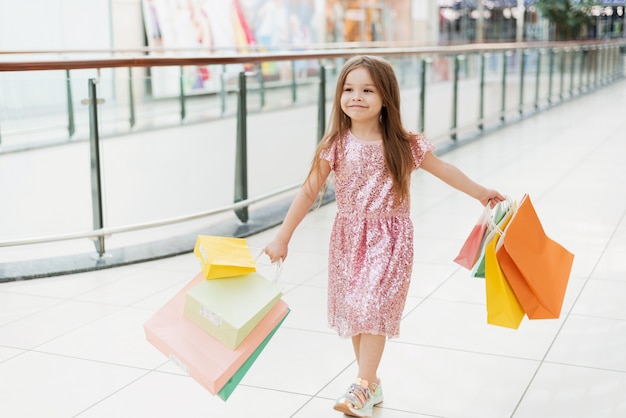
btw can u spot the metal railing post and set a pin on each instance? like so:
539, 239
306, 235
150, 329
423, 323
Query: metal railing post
71, 126
241, 153
422, 103
562, 70
581, 76
294, 95
181, 83
610, 64
96, 172
503, 95
481, 98
572, 69
521, 81
131, 98
223, 91
321, 105
589, 65
550, 74
596, 65
537, 79
261, 85
455, 97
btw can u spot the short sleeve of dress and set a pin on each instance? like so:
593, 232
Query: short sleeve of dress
420, 147
330, 154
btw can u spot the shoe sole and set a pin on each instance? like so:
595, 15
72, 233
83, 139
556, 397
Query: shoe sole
347, 411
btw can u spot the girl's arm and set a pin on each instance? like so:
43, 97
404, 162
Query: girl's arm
278, 247
454, 177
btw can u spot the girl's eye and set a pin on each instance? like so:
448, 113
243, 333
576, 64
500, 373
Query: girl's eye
347, 89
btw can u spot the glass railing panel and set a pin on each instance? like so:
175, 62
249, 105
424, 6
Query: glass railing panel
438, 106
33, 108
165, 157
56, 181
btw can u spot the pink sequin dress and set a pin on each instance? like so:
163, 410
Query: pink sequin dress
371, 246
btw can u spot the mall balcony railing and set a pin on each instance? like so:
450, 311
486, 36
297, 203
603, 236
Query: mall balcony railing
474, 88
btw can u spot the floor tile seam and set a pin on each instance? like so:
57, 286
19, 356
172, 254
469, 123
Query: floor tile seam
37, 312
316, 394
422, 301
562, 325
463, 302
591, 316
290, 392
91, 360
294, 286
599, 259
583, 366
461, 350
112, 394
22, 351
430, 294
566, 174
330, 331
406, 411
599, 278
304, 283
79, 327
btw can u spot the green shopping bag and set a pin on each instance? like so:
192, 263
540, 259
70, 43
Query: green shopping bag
234, 381
501, 214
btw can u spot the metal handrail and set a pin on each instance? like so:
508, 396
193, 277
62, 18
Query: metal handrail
96, 233
258, 57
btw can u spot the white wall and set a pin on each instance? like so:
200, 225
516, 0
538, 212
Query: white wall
54, 24
39, 25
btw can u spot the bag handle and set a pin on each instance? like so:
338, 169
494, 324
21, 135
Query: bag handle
506, 206
278, 264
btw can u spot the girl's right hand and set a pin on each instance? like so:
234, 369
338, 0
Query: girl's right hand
492, 198
276, 250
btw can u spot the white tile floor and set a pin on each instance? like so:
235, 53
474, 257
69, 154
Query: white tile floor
74, 346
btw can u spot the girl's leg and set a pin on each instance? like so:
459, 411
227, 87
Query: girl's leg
368, 350
358, 401
356, 344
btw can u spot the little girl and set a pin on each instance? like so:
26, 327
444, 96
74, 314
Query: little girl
371, 247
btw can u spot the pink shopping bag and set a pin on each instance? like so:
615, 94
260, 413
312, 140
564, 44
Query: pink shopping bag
471, 247
204, 358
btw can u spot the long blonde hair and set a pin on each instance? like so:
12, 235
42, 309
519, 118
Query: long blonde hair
396, 139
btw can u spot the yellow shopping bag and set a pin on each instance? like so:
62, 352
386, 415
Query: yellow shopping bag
503, 308
224, 256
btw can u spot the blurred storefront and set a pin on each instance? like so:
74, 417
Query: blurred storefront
459, 21
381, 20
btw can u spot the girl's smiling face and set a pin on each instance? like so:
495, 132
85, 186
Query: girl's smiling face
360, 99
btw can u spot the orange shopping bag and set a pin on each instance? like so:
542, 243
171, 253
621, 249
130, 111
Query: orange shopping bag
536, 267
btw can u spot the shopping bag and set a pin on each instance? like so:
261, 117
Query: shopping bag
223, 256
200, 355
503, 308
233, 382
536, 267
499, 216
230, 308
468, 254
